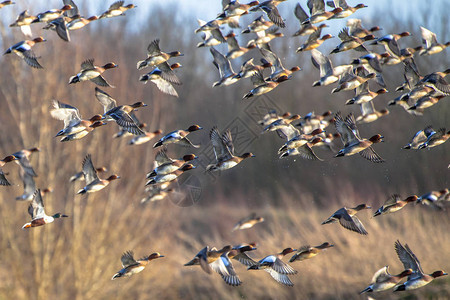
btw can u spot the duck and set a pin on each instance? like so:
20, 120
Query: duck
348, 220
5, 3
347, 10
419, 138
356, 29
272, 116
437, 82
234, 8
259, 24
418, 278
271, 10
369, 113
157, 193
328, 74
301, 15
365, 95
163, 76
132, 266
23, 50
81, 134
166, 165
226, 73
224, 267
305, 151
208, 256
234, 50
178, 136
248, 222
29, 186
79, 176
372, 63
211, 37
307, 252
120, 114
353, 143
278, 269
52, 14
146, 137
116, 9
298, 140
224, 151
434, 197
277, 69
23, 20
248, 69
318, 13
7, 159
394, 203
37, 213
80, 22
314, 41
382, 280
263, 38
351, 80
349, 42
262, 86
281, 123
93, 73
170, 176
73, 123
240, 255
155, 56
425, 102
440, 137
430, 43
23, 159
93, 182
390, 43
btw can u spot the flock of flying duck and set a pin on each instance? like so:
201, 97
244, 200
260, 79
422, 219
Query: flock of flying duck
419, 93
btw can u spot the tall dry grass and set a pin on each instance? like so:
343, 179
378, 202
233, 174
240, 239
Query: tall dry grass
75, 257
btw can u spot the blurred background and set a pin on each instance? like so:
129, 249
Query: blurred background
76, 257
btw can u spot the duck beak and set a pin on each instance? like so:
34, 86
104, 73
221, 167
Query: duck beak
64, 216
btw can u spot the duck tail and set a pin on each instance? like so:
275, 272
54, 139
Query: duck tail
117, 275
152, 174
144, 78
27, 225
400, 287
367, 289
248, 95
82, 192
74, 79
141, 64
157, 144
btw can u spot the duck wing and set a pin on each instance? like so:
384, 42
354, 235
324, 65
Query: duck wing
281, 267
36, 208
168, 74
371, 155
165, 86
90, 174
65, 112
221, 151
347, 134
153, 48
101, 81
105, 100
281, 278
352, 223
407, 257
127, 259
